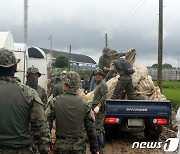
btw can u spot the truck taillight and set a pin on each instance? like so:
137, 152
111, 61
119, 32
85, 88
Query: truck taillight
112, 120
160, 121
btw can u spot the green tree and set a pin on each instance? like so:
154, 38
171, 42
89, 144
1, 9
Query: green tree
167, 66
154, 66
61, 62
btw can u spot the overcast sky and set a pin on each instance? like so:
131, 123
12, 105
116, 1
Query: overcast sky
84, 23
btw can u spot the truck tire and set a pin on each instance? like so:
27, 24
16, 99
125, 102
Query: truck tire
152, 132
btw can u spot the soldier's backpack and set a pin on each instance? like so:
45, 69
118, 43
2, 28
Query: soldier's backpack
127, 66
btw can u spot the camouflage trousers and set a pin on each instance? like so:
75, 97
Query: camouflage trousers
69, 146
124, 85
99, 123
15, 151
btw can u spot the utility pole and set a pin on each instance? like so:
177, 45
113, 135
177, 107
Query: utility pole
178, 60
160, 44
26, 21
25, 39
106, 39
50, 38
70, 58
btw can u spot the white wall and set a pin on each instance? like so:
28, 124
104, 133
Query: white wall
6, 40
41, 64
20, 53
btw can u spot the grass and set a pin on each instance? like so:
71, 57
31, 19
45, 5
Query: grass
173, 95
169, 84
171, 89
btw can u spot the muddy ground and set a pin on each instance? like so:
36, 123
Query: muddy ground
121, 143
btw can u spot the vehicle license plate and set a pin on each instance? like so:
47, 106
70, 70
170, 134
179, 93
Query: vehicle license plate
135, 122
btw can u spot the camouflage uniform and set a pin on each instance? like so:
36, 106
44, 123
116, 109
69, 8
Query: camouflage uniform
58, 88
21, 112
100, 93
85, 84
70, 113
120, 54
124, 82
105, 61
55, 79
33, 83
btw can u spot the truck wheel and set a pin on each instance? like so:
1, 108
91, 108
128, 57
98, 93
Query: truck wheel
152, 132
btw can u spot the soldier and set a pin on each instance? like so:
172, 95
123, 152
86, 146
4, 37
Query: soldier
70, 113
53, 82
105, 61
21, 112
120, 54
85, 84
99, 106
125, 81
58, 89
32, 81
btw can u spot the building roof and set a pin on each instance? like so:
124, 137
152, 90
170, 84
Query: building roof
74, 57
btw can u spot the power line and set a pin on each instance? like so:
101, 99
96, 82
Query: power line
129, 16
124, 20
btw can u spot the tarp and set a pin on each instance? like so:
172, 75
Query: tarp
41, 64
6, 40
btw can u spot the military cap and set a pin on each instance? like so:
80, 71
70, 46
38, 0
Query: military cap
33, 70
73, 80
113, 53
99, 71
7, 58
106, 50
59, 75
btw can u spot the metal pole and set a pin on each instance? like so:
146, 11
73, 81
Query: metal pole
51, 44
25, 21
160, 44
70, 58
106, 39
50, 38
25, 39
51, 51
178, 60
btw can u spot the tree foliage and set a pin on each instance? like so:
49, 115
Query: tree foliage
61, 62
165, 66
154, 66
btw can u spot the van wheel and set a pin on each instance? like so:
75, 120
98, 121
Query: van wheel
152, 132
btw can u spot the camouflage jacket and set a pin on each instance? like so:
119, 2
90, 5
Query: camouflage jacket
104, 61
42, 94
116, 67
22, 114
100, 93
58, 89
70, 113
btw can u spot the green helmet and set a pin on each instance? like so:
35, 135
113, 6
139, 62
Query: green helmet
33, 70
73, 80
59, 76
113, 53
7, 58
106, 51
99, 71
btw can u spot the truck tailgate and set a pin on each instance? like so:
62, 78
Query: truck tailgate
138, 108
